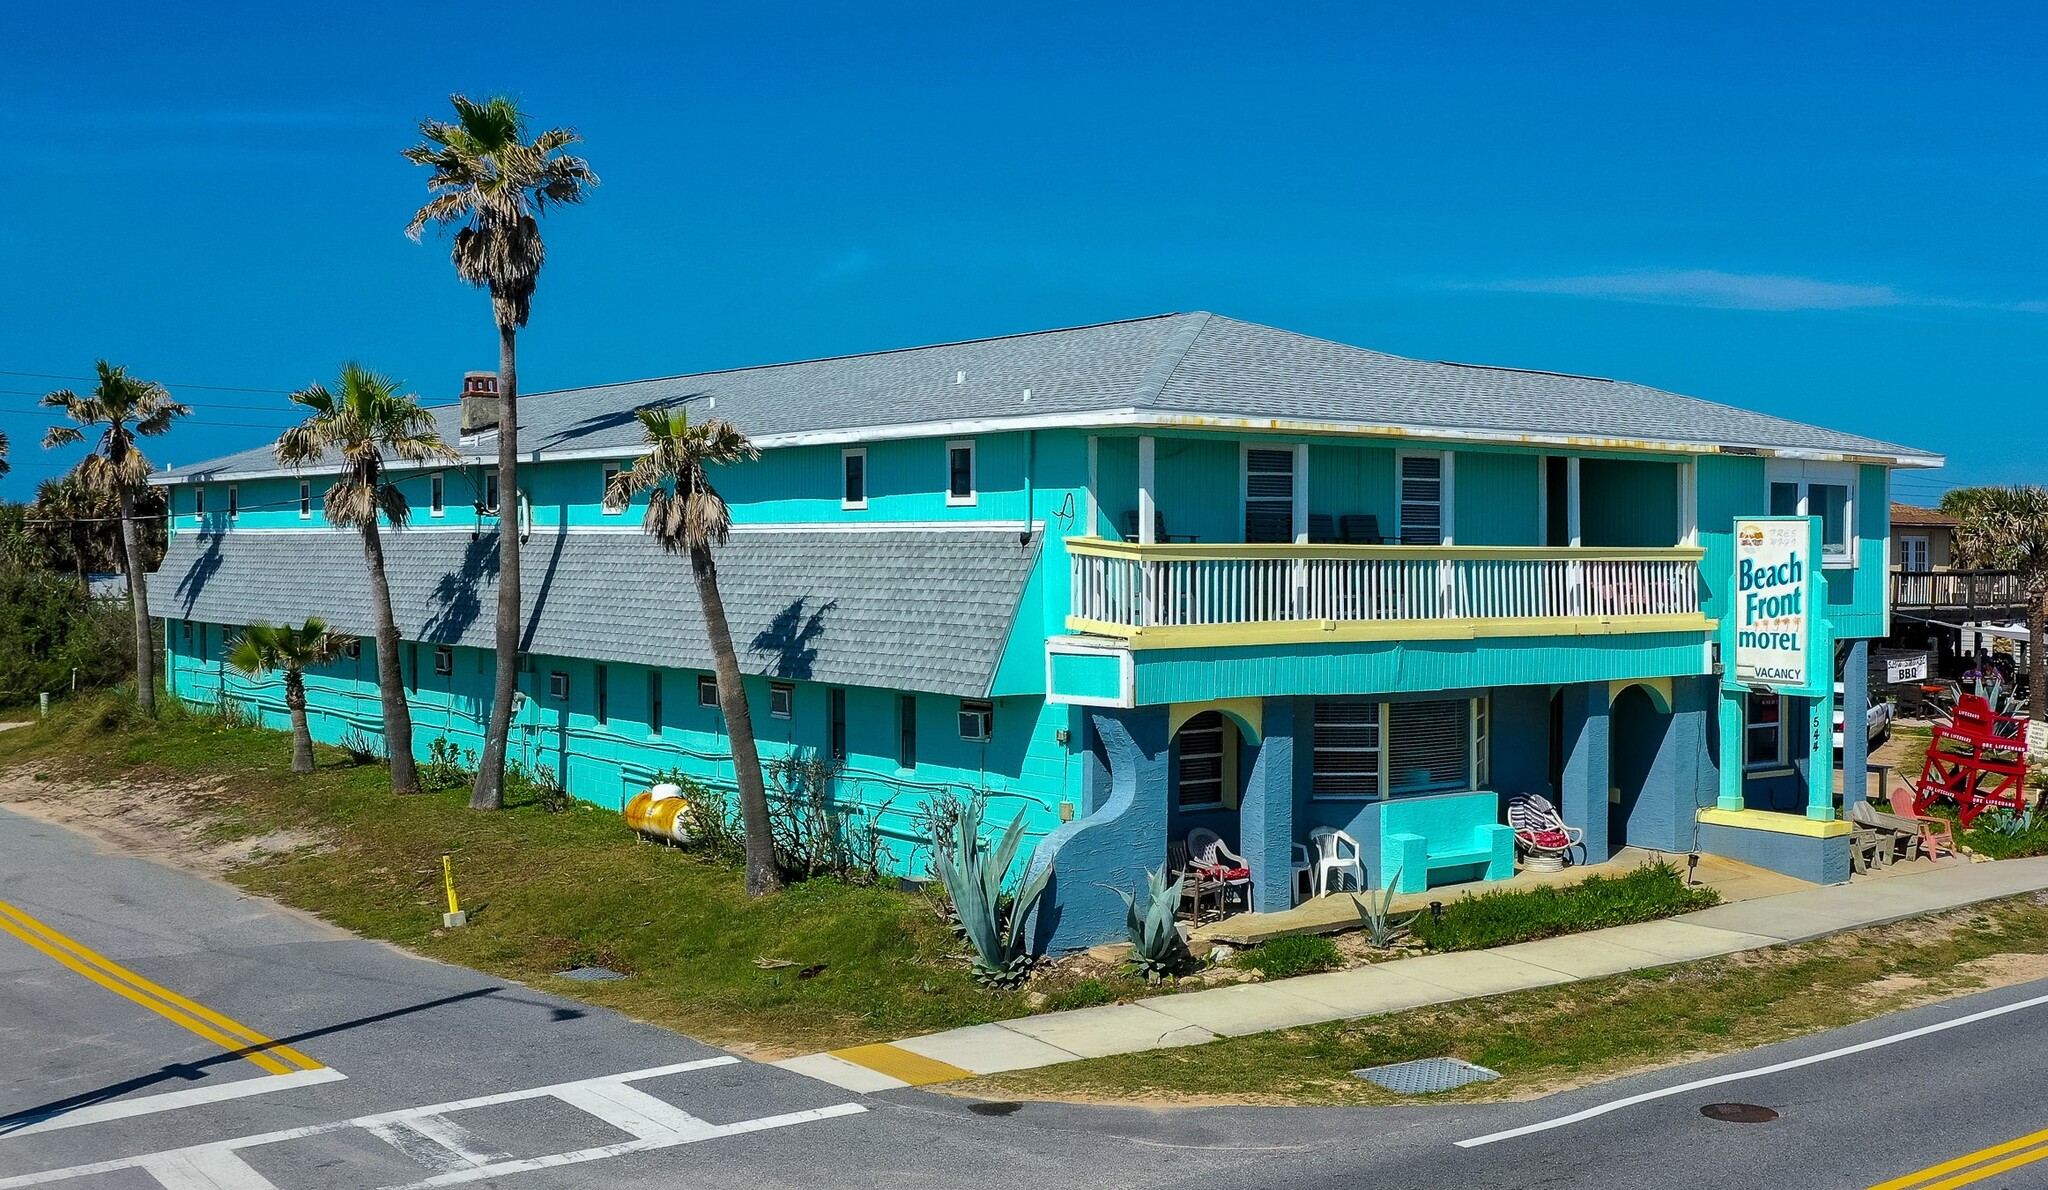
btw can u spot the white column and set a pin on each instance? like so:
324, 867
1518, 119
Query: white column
1450, 497
1092, 526
1148, 505
1571, 496
1688, 503
1301, 493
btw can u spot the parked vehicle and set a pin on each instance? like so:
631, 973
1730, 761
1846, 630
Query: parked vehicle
1877, 718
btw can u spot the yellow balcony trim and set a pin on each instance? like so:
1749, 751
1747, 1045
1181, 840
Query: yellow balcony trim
1309, 632
1782, 824
1206, 551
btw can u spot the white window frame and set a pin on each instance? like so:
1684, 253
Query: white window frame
1926, 543
1478, 754
234, 503
707, 690
1224, 730
1807, 474
973, 479
437, 492
305, 499
558, 685
984, 711
606, 474
1447, 504
1779, 763
1295, 476
861, 452
781, 700
199, 502
491, 494
444, 661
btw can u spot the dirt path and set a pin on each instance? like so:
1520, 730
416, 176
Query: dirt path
168, 823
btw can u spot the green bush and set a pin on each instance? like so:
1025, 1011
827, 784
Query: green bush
2001, 834
1521, 915
1291, 954
1086, 993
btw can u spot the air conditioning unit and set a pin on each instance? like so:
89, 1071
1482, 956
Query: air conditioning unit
977, 720
558, 686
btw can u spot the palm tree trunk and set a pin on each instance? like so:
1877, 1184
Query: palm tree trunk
763, 875
489, 791
302, 734
390, 681
138, 604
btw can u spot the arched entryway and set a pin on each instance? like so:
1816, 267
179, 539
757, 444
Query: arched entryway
1637, 723
1207, 761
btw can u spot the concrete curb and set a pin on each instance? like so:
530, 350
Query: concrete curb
1210, 1014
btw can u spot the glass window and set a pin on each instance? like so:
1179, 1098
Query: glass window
654, 702
1347, 750
837, 700
490, 493
707, 690
1784, 499
434, 493
1269, 495
1429, 746
960, 472
234, 501
977, 720
1764, 732
1422, 499
906, 731
854, 464
610, 505
199, 501
444, 660
781, 700
601, 687
1201, 761
1830, 502
305, 499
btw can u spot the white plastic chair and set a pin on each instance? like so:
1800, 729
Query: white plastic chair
1208, 852
1336, 852
1302, 877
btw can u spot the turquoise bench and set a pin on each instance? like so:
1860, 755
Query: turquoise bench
1421, 835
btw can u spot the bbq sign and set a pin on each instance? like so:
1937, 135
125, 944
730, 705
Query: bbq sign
1776, 587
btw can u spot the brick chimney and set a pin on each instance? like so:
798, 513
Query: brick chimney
479, 402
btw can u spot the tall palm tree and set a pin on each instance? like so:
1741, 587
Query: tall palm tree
290, 651
122, 408
2005, 527
688, 516
365, 421
492, 183
65, 522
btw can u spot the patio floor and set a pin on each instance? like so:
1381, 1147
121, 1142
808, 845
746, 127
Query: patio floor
1335, 912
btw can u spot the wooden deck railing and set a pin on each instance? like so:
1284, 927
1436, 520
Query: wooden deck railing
1169, 586
1957, 589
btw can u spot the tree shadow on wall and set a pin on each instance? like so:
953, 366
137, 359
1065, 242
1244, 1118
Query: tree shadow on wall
458, 599
193, 582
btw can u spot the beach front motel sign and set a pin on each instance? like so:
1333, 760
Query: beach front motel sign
1776, 617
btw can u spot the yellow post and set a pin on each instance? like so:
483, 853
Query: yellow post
455, 916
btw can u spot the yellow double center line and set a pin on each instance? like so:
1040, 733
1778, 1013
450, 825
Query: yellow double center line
237, 1039
1975, 1167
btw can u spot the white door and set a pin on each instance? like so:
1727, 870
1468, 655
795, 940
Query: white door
1913, 555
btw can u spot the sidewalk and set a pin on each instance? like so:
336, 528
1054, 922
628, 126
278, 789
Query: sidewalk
1191, 1018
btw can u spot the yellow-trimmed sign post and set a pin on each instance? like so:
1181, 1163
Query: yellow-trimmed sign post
1777, 640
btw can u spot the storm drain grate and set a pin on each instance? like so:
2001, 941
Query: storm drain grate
1425, 1075
591, 974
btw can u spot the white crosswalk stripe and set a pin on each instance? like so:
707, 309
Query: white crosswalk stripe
451, 1153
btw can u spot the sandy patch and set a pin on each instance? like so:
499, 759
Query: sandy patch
168, 823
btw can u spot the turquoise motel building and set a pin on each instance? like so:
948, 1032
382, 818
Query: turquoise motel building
1126, 580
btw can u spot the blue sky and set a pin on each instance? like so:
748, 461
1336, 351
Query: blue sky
1831, 214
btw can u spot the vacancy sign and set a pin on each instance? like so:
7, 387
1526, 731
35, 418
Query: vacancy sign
1775, 590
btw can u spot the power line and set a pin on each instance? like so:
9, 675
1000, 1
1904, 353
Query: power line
219, 388
23, 392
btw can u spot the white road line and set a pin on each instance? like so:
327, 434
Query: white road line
425, 1134
1740, 1075
122, 1109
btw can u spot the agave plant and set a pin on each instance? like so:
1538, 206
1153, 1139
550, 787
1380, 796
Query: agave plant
973, 874
1157, 949
1376, 916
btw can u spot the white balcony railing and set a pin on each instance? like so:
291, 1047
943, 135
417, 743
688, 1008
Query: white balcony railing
1124, 585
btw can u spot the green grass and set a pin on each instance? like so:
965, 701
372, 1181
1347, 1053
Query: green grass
546, 892
1291, 954
1544, 1037
1522, 915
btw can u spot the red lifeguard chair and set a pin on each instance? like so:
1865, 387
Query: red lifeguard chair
1978, 760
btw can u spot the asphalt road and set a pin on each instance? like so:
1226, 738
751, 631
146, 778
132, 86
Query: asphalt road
387, 1056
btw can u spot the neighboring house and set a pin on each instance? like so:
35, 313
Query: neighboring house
110, 587
1126, 579
1923, 539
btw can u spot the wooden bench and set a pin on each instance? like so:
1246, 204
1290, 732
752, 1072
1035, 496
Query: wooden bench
1422, 835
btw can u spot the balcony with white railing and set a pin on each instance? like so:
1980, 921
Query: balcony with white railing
1201, 593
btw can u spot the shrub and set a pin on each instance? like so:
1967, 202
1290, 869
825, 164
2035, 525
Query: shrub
447, 767
1291, 954
539, 784
361, 747
2001, 834
1520, 915
1086, 993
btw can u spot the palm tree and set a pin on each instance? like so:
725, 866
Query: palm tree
367, 420
2005, 527
127, 408
5, 466
687, 515
65, 522
291, 651
492, 183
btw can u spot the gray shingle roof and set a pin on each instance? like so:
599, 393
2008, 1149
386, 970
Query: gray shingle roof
1172, 364
908, 609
